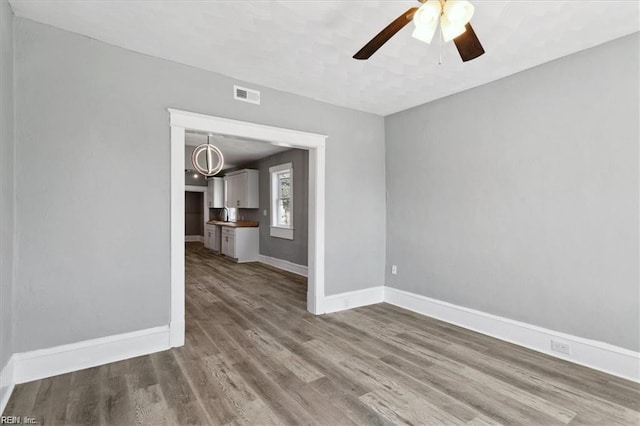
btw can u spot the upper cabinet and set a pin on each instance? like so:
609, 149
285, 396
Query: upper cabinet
215, 192
242, 189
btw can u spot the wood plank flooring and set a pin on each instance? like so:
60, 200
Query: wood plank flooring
254, 356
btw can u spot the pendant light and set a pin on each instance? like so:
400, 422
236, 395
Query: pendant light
209, 152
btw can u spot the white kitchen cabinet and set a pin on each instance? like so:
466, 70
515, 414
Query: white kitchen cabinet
212, 237
240, 244
207, 238
229, 246
215, 192
242, 189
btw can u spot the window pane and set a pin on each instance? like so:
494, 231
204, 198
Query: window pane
284, 185
284, 212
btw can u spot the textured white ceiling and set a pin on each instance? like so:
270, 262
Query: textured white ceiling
236, 152
305, 47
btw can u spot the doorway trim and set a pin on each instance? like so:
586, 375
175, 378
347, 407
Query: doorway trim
180, 121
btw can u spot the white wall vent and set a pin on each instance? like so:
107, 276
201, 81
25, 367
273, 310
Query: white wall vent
246, 95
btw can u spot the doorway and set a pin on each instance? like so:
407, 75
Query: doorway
180, 122
195, 212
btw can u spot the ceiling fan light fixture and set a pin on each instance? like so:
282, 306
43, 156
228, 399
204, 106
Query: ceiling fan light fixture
426, 20
458, 12
453, 16
449, 29
428, 13
424, 33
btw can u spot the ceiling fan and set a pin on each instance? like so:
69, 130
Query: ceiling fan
453, 17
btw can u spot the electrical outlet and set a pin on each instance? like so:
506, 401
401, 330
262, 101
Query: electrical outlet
565, 348
264, 212
394, 270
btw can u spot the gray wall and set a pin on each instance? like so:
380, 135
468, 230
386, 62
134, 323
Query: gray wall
189, 178
78, 98
520, 197
194, 213
7, 149
295, 250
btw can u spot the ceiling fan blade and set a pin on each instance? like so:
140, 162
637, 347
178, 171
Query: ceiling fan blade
384, 35
468, 44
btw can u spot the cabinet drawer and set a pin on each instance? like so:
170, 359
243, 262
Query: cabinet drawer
228, 231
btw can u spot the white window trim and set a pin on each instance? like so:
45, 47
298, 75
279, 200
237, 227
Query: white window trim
275, 230
284, 233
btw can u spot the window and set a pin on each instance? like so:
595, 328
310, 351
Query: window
282, 201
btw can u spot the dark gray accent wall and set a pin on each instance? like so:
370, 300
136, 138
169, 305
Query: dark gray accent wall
295, 250
7, 184
520, 198
193, 213
108, 106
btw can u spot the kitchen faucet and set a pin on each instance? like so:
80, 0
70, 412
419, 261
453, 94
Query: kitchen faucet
226, 215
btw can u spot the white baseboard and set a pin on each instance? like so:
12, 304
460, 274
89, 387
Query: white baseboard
6, 384
285, 265
352, 299
193, 238
590, 353
42, 363
39, 364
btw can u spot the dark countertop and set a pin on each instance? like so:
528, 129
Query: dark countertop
236, 224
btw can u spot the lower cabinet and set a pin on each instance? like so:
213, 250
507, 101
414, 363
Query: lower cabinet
212, 237
229, 246
240, 244
207, 238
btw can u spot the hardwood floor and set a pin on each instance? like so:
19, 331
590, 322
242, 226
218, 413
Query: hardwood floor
253, 355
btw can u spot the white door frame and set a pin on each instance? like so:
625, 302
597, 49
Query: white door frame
205, 205
180, 121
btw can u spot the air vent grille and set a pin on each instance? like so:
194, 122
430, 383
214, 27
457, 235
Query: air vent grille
246, 95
